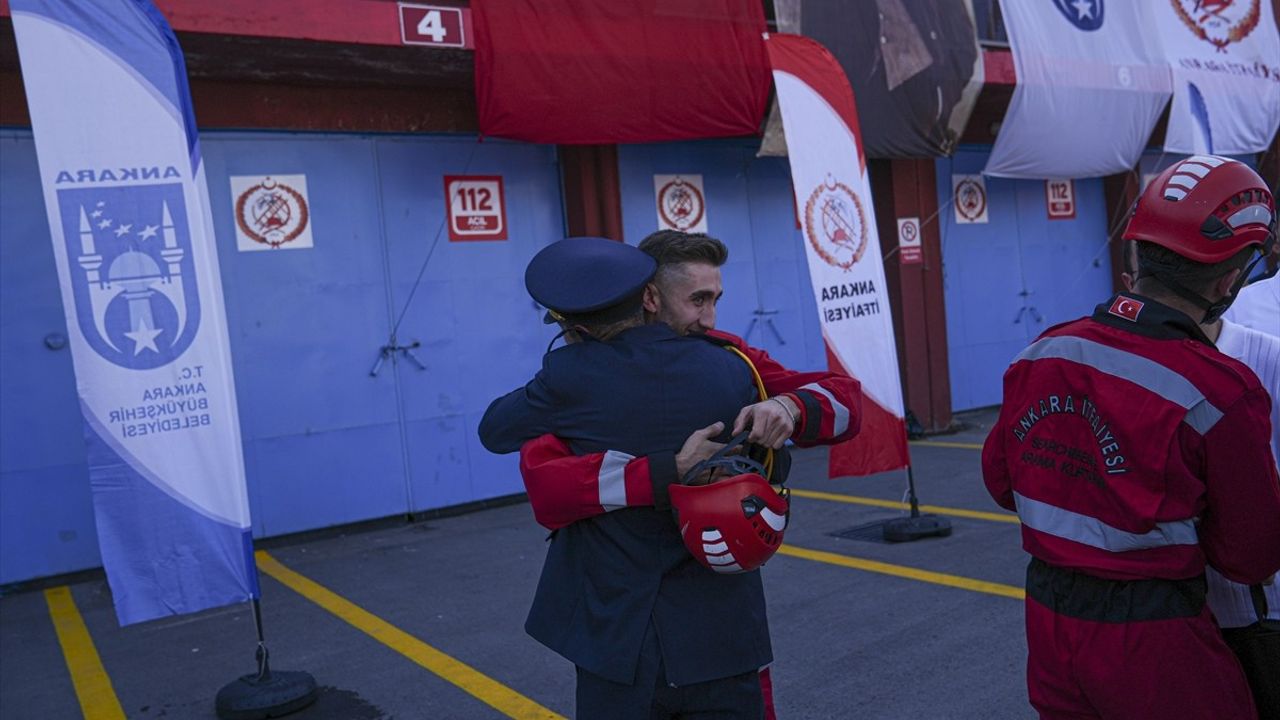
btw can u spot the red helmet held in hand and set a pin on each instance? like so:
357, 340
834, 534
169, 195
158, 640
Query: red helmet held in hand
732, 525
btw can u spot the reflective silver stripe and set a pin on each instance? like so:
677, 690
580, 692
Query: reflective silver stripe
841, 412
1252, 214
613, 480
1209, 160
1194, 168
1090, 531
1201, 414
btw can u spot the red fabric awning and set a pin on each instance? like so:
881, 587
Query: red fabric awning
619, 71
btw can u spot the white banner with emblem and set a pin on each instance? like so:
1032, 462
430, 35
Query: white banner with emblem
137, 264
833, 194
1226, 75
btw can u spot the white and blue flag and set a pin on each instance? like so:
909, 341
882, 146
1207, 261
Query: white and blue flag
1092, 81
128, 211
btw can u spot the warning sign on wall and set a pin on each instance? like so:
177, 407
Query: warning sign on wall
969, 198
1060, 199
477, 207
910, 251
272, 212
682, 203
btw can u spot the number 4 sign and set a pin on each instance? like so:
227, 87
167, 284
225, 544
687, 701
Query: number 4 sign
435, 25
477, 209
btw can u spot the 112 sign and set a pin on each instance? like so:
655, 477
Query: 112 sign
477, 208
1060, 199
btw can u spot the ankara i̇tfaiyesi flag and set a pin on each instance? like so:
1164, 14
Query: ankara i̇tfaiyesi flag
1225, 58
128, 209
1091, 85
833, 195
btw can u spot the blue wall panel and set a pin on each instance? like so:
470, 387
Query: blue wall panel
306, 326
749, 208
46, 512
481, 334
1009, 279
1066, 263
982, 282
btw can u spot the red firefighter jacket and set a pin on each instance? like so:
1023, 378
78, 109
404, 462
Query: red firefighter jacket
564, 488
1132, 449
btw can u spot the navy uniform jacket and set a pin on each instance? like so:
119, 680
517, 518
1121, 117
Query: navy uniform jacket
641, 393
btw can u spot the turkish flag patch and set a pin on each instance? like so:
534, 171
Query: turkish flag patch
1126, 307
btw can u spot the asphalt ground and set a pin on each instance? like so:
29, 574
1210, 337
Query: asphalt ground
425, 619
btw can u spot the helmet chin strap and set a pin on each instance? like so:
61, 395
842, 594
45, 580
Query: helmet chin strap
1212, 310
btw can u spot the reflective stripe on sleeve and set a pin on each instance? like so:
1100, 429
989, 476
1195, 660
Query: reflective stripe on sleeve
841, 412
1052, 520
613, 480
1201, 414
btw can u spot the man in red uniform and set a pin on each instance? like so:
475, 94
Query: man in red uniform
1134, 452
809, 408
813, 408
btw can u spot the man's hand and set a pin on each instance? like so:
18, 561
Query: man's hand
771, 421
698, 447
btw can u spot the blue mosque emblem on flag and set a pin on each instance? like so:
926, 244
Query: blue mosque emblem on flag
129, 253
1084, 14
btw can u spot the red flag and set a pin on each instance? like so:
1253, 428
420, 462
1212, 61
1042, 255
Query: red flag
609, 71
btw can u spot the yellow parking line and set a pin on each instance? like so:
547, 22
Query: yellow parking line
482, 687
942, 443
928, 576
876, 502
98, 699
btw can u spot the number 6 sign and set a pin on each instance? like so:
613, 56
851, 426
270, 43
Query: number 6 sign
477, 209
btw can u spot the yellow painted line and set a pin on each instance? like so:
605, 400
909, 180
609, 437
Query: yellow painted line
98, 699
941, 443
894, 504
482, 687
902, 571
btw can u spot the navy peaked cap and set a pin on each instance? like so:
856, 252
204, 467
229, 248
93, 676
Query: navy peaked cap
582, 275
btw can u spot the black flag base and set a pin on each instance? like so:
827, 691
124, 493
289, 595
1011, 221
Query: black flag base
264, 694
255, 697
916, 527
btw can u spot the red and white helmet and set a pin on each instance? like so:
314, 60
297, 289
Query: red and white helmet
1205, 208
732, 525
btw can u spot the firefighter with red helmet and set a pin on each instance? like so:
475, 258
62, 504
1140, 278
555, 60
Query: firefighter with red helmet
1134, 453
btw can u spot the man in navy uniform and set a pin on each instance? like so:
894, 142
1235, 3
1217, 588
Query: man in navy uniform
805, 408
652, 632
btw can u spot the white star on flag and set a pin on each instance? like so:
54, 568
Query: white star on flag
1084, 9
96, 213
148, 232
123, 230
104, 224
143, 337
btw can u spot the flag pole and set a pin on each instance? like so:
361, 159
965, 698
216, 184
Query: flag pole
915, 526
265, 694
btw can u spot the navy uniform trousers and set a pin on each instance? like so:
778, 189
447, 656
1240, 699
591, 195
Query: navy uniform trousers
619, 595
